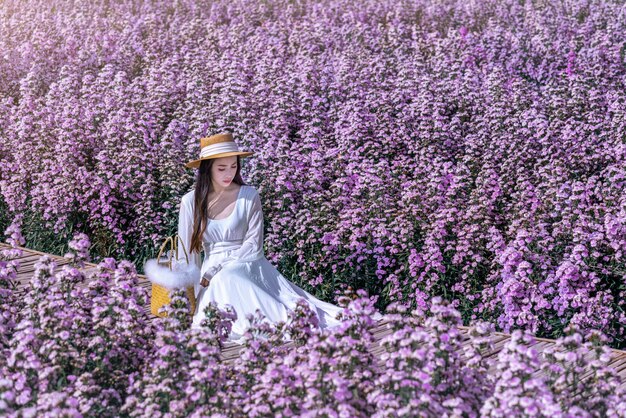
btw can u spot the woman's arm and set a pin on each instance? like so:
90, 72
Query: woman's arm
252, 245
185, 230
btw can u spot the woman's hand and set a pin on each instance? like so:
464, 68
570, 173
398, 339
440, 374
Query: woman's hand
206, 278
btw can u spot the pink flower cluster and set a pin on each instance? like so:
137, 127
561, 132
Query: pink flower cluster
78, 345
472, 151
79, 247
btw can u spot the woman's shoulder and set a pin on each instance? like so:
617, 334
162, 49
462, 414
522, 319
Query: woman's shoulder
249, 188
250, 196
187, 198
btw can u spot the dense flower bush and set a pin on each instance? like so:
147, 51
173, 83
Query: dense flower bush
471, 150
82, 344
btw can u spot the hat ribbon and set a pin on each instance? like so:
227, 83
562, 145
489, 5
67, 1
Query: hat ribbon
220, 147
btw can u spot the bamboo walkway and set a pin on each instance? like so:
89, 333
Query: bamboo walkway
231, 351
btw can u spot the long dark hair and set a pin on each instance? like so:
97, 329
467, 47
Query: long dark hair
204, 186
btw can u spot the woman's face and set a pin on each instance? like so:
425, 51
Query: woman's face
223, 170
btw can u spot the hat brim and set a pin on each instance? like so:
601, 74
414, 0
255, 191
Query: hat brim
196, 163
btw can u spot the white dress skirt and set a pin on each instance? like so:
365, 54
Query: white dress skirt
241, 275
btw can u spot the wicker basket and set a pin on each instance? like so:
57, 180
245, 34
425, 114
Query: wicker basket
160, 295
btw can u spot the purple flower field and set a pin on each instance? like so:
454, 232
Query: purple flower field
92, 351
468, 150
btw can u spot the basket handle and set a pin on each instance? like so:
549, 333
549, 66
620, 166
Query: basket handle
182, 244
171, 241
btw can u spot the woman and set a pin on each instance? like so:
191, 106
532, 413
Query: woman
224, 217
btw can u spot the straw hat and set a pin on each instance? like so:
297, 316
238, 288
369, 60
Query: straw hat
217, 146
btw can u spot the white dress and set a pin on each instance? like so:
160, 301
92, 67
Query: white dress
241, 275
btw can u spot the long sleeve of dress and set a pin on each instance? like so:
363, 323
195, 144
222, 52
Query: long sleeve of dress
185, 230
252, 245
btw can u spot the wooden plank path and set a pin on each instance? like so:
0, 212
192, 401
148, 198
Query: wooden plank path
231, 350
